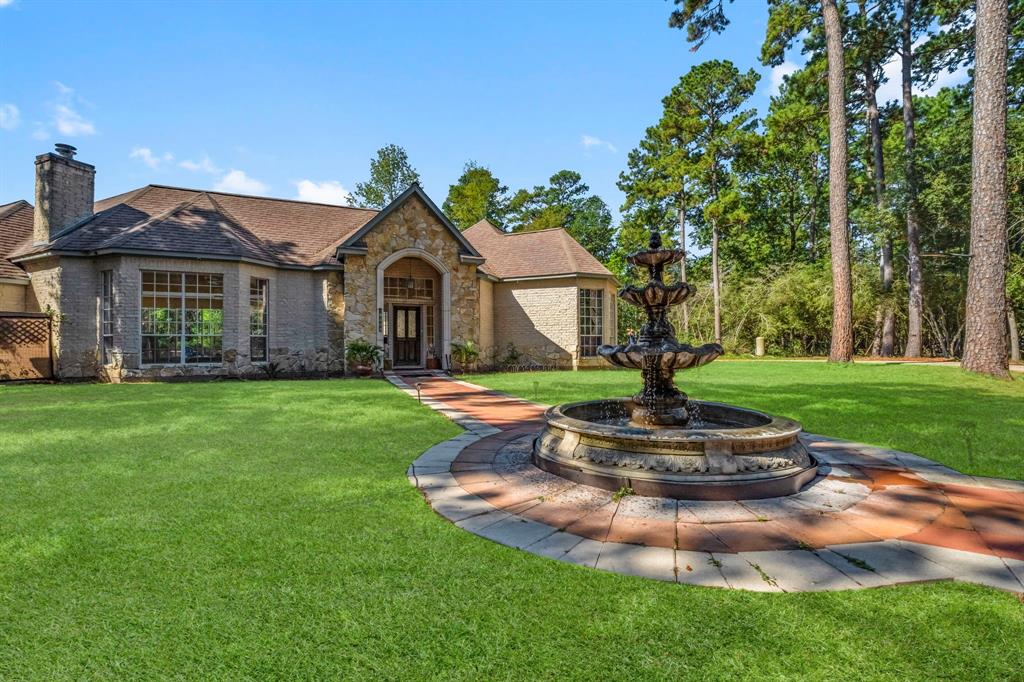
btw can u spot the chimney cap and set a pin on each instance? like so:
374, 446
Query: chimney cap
65, 150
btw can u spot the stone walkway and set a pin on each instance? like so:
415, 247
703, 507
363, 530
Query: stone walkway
873, 517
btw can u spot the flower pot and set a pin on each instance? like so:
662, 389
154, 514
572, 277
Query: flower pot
364, 371
433, 363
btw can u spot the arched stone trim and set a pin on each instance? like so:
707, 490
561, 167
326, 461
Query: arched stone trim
446, 294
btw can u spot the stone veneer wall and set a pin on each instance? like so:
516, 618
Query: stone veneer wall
411, 225
541, 319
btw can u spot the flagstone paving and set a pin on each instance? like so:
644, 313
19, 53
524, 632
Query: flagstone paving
872, 517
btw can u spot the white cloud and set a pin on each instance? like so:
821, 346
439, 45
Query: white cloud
152, 160
10, 117
237, 181
69, 122
779, 73
205, 164
40, 132
326, 192
6, 3
892, 89
589, 141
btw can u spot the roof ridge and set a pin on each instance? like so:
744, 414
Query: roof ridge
568, 250
256, 196
234, 225
85, 221
546, 229
138, 227
13, 207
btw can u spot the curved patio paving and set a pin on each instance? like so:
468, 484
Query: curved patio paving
872, 517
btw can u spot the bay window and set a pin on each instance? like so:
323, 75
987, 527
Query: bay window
182, 317
259, 317
591, 312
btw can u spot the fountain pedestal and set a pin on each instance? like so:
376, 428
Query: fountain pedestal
651, 442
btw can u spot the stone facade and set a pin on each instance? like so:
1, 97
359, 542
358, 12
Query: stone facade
412, 226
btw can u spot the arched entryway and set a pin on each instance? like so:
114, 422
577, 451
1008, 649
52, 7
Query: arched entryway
413, 307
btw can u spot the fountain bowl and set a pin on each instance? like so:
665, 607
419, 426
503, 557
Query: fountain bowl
732, 454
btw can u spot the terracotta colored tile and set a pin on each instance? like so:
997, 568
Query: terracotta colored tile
952, 517
480, 476
500, 495
755, 536
1009, 546
639, 531
999, 520
820, 530
479, 456
555, 514
884, 526
695, 537
470, 466
990, 494
594, 525
953, 538
891, 477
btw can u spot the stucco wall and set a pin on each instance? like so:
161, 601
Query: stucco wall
12, 297
541, 319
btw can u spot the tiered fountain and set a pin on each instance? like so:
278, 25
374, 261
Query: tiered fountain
659, 443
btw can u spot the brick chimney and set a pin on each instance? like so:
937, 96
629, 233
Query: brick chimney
64, 192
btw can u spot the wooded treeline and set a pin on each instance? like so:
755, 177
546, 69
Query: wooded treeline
838, 223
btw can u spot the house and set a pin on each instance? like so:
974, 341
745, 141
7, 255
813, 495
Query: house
166, 281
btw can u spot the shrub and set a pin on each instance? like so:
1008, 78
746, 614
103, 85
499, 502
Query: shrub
363, 354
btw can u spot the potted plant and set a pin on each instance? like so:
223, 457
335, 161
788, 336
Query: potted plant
433, 362
465, 354
363, 356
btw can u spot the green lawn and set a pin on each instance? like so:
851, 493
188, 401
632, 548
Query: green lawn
973, 424
266, 530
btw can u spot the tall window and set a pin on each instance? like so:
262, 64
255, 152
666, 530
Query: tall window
259, 317
182, 317
591, 321
107, 316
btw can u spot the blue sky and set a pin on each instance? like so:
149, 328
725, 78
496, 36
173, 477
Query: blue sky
292, 99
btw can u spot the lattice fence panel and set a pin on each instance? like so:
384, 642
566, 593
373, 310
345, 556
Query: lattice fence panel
25, 348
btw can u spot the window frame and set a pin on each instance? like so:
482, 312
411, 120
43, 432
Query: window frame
182, 335
586, 305
107, 316
262, 286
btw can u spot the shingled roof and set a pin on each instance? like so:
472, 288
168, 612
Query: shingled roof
157, 218
525, 255
15, 229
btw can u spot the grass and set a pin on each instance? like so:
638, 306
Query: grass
971, 423
266, 530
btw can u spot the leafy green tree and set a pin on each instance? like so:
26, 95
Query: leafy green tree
565, 202
476, 196
390, 175
704, 120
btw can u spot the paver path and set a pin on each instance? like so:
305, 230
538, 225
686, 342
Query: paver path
873, 517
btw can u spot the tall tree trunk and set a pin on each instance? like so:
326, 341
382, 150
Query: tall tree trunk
682, 262
915, 275
1011, 323
716, 283
842, 280
887, 318
985, 339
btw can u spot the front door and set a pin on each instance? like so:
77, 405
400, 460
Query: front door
407, 336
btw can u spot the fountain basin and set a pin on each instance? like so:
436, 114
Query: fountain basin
735, 454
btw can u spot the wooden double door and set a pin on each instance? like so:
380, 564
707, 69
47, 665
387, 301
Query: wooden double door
407, 323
